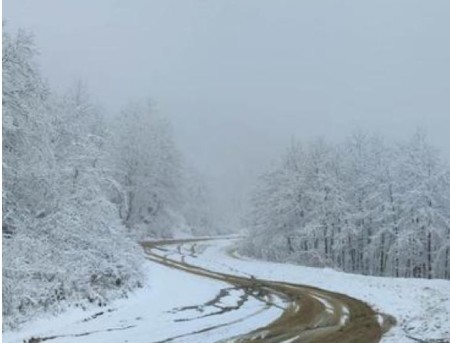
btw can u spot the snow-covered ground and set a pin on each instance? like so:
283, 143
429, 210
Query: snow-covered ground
421, 307
178, 304
167, 308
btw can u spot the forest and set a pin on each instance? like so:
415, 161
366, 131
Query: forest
225, 171
80, 187
361, 206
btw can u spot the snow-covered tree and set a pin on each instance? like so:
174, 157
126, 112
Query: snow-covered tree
359, 206
63, 241
27, 186
198, 205
148, 167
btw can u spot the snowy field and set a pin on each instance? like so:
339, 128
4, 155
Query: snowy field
180, 307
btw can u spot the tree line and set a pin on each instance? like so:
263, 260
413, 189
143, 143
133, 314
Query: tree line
79, 186
362, 206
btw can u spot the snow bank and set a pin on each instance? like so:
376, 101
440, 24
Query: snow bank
68, 260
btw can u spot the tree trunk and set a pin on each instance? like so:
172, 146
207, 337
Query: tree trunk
429, 257
382, 255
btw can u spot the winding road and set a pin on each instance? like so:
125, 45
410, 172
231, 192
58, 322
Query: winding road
309, 315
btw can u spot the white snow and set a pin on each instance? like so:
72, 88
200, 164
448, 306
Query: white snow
152, 314
421, 307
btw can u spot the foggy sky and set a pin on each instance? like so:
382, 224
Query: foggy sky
241, 78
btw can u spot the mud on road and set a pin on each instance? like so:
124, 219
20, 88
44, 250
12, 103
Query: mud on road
310, 315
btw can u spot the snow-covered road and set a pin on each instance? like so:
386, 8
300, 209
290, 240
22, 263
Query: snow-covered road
195, 302
309, 314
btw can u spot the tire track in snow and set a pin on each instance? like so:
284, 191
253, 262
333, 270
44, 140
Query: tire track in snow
312, 315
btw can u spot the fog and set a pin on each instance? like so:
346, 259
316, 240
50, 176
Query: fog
240, 79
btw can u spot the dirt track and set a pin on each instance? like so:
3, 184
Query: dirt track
311, 315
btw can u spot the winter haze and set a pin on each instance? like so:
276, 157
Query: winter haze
226, 171
239, 79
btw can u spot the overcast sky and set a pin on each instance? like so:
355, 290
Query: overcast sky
240, 78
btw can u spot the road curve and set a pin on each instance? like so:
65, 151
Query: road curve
312, 315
